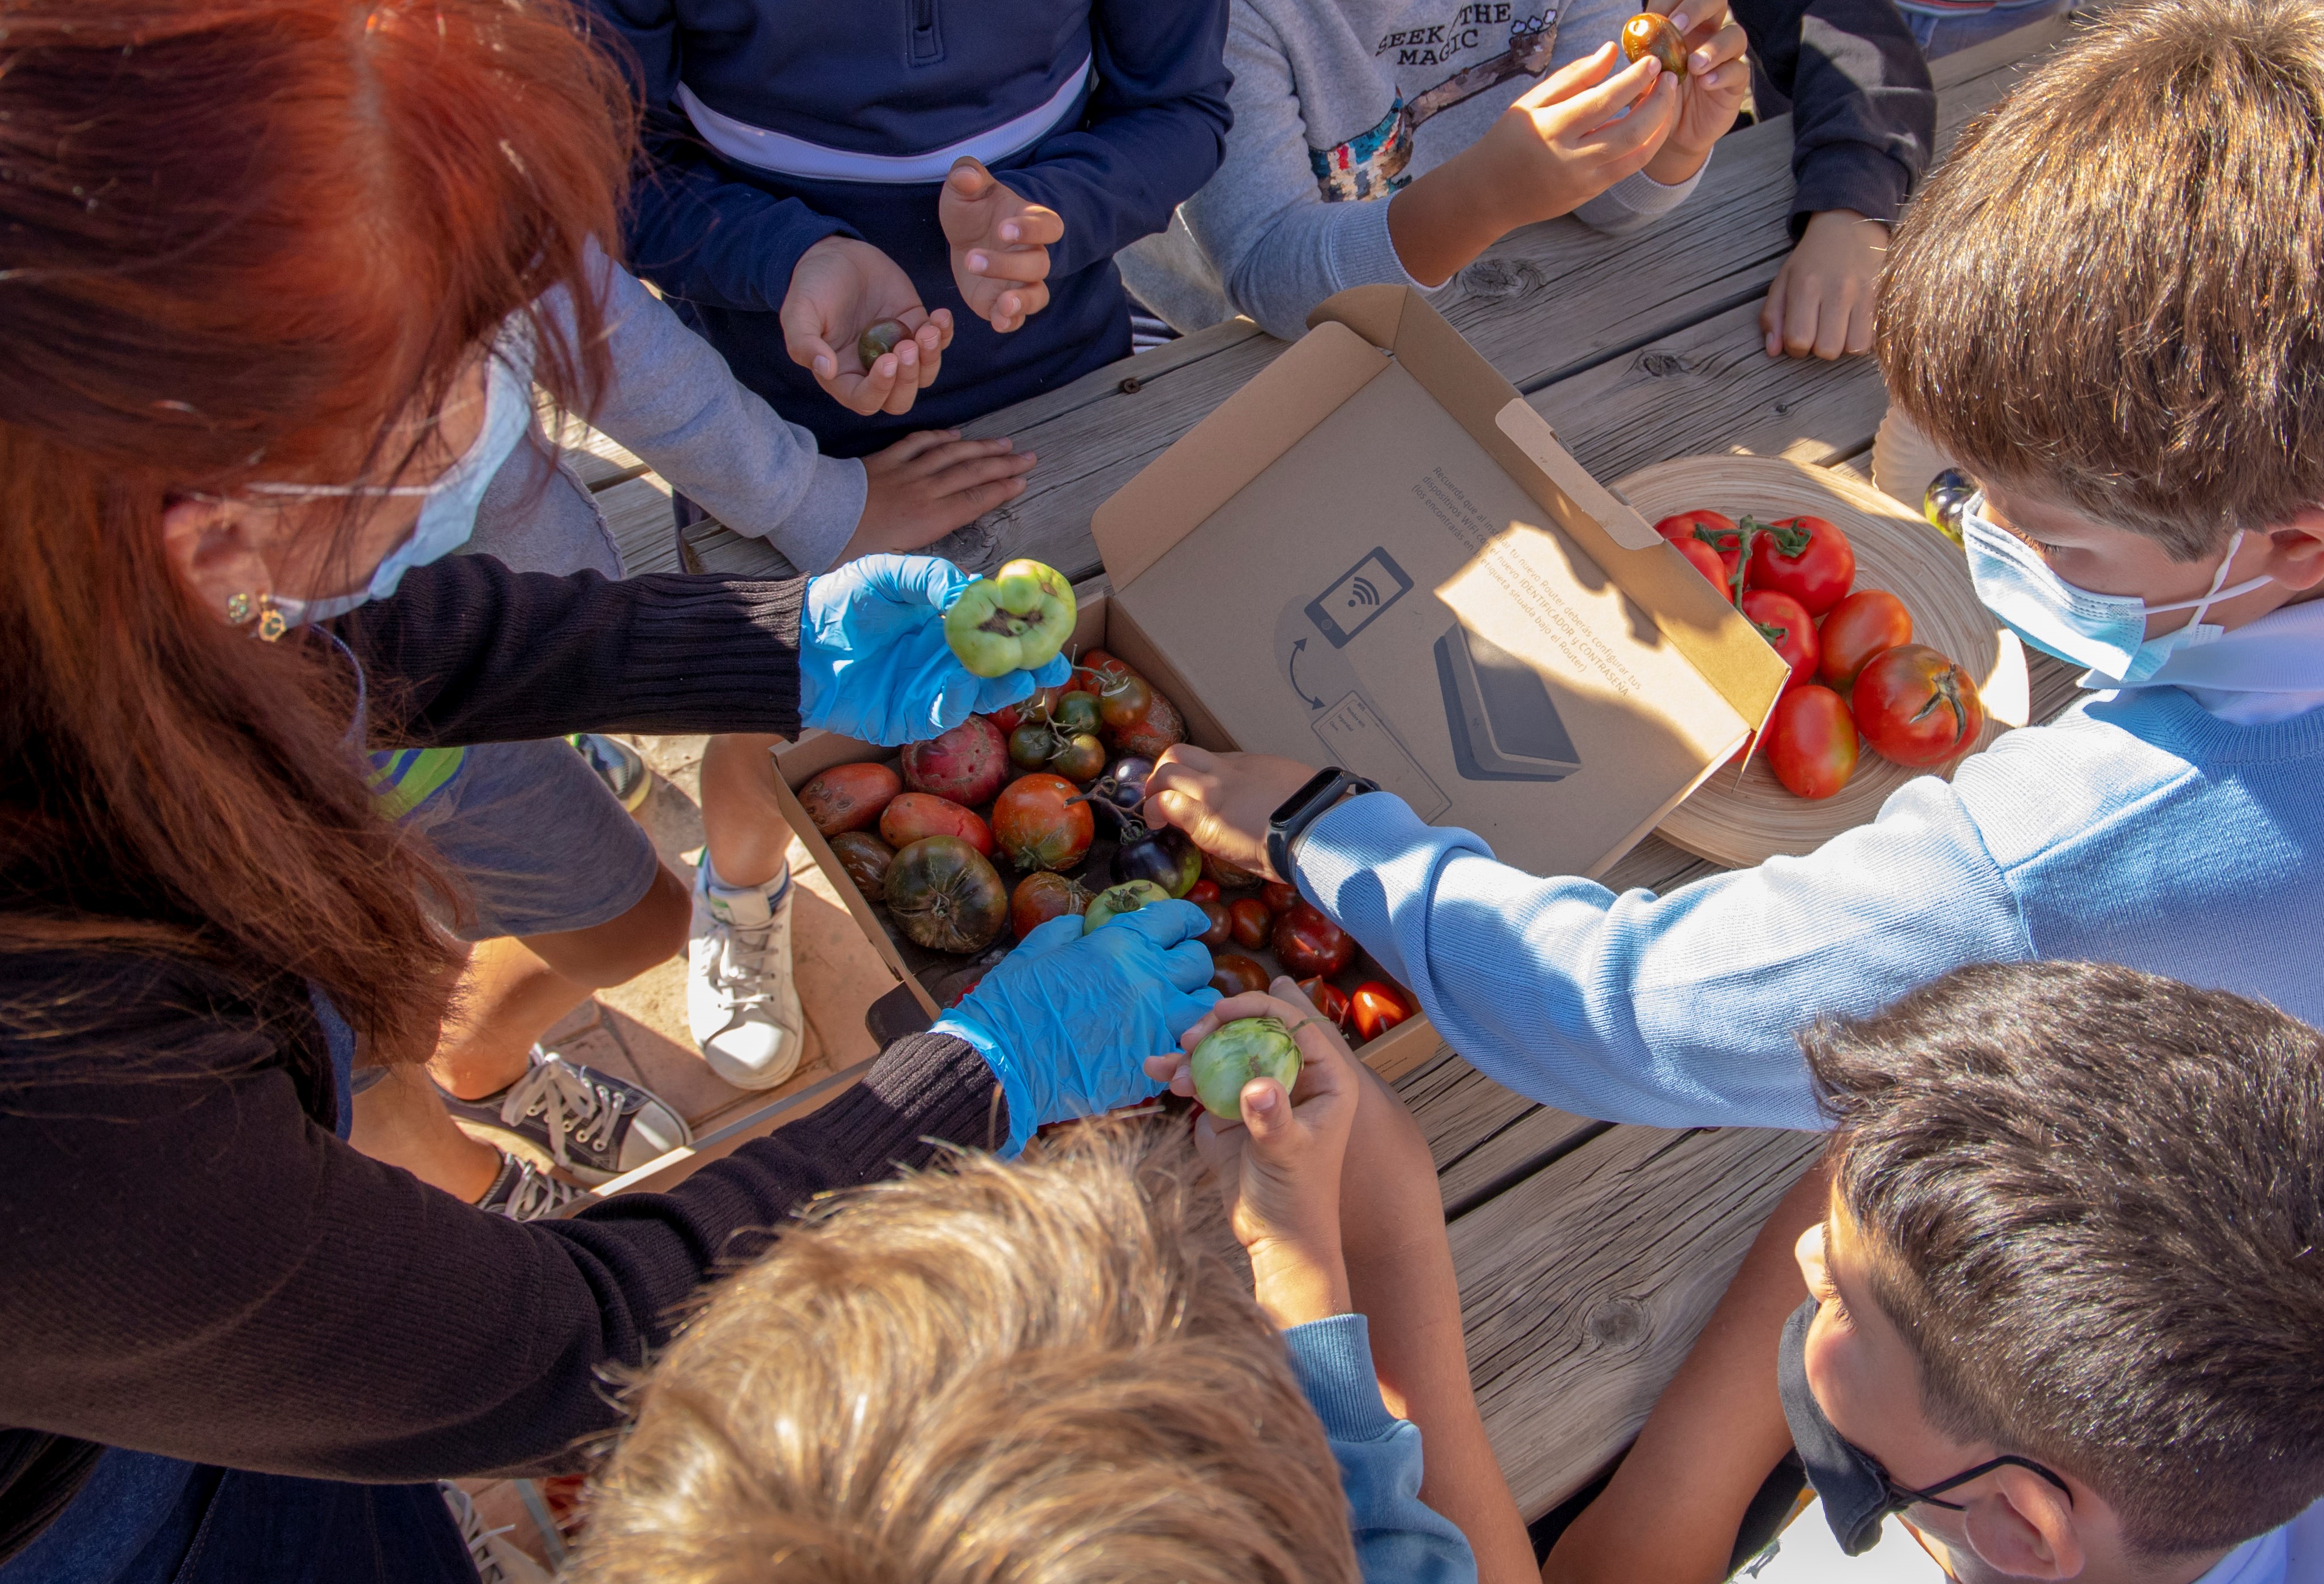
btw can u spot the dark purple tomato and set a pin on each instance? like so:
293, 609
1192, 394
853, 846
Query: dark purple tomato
865, 858
946, 895
1232, 973
1308, 944
1252, 922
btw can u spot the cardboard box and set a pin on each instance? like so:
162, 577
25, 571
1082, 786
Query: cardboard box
1377, 554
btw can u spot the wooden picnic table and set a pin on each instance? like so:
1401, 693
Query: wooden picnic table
1589, 1254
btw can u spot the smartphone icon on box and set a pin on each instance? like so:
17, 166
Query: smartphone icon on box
1357, 597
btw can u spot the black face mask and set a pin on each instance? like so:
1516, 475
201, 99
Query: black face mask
1857, 1493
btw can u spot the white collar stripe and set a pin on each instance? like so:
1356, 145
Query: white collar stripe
785, 155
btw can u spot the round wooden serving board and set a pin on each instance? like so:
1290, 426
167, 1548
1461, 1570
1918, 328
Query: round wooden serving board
1745, 819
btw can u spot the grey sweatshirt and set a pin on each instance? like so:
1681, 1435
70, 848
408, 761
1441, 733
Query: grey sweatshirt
1337, 105
672, 401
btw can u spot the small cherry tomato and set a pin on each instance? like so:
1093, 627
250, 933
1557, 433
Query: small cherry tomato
1810, 741
1377, 1006
1805, 558
1785, 623
1232, 973
1221, 929
1278, 897
1648, 34
1859, 627
1075, 714
1204, 891
1080, 758
1123, 700
1715, 532
1307, 944
1916, 707
1252, 922
1705, 560
1329, 1000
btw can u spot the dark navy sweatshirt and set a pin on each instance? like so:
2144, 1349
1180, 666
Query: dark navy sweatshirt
773, 124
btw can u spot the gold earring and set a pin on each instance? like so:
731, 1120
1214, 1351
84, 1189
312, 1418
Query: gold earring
241, 607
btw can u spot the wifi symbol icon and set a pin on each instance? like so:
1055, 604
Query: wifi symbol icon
1362, 591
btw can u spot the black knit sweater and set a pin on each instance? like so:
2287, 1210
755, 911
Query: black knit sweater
191, 1262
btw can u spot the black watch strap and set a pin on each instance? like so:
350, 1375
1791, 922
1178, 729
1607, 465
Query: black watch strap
1322, 793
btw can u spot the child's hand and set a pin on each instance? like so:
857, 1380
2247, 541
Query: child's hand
1279, 1168
1561, 145
840, 287
1717, 78
999, 245
928, 483
1822, 298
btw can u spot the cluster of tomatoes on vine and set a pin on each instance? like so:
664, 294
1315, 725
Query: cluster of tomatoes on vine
1857, 676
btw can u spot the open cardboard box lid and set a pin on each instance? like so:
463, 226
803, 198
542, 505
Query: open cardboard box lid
1377, 554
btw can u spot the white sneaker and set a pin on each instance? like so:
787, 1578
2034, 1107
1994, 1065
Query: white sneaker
496, 1557
740, 1004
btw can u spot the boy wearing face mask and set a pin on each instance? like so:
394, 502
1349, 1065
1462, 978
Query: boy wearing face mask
2107, 307
2061, 1325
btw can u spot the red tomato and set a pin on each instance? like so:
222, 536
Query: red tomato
1220, 928
1916, 707
848, 797
1232, 973
1039, 824
1041, 897
1716, 533
1306, 944
1204, 891
1252, 922
1377, 1007
1784, 622
1705, 560
1856, 629
914, 815
1278, 897
1805, 558
1329, 1000
1810, 741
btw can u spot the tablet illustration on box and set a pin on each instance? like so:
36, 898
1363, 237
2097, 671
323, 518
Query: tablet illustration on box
1505, 724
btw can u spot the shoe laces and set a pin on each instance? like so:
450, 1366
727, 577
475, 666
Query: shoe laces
537, 1194
571, 1100
475, 1536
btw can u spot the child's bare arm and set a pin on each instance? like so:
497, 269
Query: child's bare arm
1400, 1278
1672, 1509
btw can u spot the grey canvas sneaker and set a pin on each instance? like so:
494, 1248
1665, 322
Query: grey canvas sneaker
523, 1193
593, 1124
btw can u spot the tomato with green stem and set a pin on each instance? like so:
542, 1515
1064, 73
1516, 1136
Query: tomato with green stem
1806, 557
1788, 627
1716, 534
1039, 821
1017, 620
1916, 707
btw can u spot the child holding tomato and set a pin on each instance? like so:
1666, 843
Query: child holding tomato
2106, 309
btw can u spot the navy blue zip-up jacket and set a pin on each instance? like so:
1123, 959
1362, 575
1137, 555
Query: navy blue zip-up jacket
1138, 88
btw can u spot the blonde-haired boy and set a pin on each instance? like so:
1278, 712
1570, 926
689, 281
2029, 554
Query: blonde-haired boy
1051, 1369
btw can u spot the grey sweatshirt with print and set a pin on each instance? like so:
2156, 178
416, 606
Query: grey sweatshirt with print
672, 401
1337, 105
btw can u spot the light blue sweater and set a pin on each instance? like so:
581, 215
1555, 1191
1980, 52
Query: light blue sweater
1399, 1538
2141, 831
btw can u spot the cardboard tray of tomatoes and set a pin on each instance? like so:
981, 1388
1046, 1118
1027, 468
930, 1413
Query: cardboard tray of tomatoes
1826, 733
961, 846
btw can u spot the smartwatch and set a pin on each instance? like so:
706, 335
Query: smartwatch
1323, 791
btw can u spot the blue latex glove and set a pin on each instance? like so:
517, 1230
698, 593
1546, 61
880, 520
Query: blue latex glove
1066, 1020
873, 663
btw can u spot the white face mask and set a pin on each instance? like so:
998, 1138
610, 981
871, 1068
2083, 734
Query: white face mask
447, 519
2106, 633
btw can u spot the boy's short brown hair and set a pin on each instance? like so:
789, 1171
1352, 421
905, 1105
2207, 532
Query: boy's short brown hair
2112, 296
2092, 1202
1009, 1373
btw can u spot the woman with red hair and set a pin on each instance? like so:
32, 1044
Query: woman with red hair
272, 274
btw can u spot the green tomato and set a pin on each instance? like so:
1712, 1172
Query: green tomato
1126, 897
1016, 620
1238, 1051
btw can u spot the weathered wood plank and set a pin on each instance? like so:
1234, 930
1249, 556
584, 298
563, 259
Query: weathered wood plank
1712, 387
1583, 1286
1483, 1137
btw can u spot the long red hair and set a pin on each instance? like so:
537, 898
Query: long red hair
239, 239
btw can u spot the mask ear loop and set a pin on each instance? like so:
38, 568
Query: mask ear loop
2217, 591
